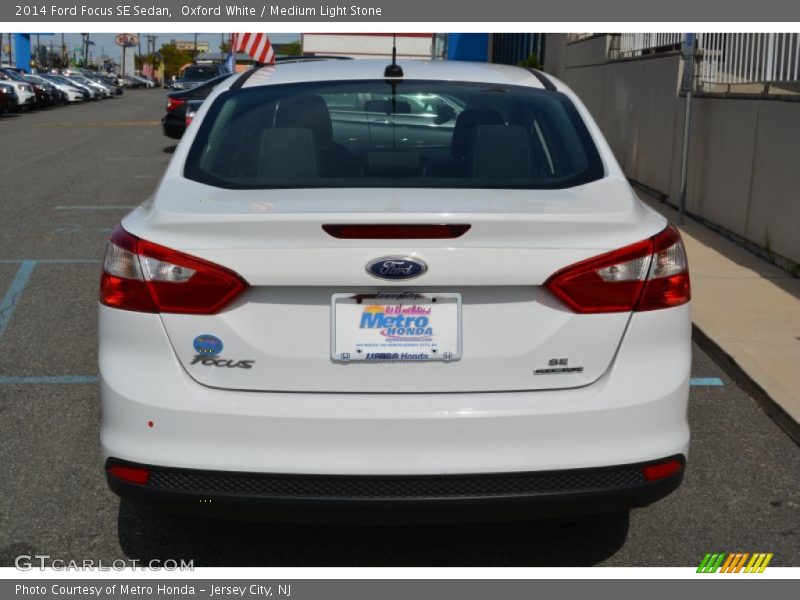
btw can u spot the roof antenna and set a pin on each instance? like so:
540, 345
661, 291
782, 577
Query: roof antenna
393, 70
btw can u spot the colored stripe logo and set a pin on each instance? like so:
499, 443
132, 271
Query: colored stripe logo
734, 562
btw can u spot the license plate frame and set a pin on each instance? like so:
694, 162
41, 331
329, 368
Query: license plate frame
365, 344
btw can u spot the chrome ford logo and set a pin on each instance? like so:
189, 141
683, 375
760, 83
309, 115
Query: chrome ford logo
396, 267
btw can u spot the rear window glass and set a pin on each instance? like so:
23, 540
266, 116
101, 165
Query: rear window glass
199, 73
375, 134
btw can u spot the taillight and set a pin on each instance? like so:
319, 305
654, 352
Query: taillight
173, 103
647, 275
142, 276
138, 475
662, 470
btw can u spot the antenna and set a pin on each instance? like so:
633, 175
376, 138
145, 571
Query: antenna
393, 70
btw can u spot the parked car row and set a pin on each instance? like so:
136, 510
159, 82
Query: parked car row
136, 82
19, 90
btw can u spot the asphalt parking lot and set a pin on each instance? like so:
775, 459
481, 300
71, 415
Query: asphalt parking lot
68, 176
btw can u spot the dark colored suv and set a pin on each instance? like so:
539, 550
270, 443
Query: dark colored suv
196, 75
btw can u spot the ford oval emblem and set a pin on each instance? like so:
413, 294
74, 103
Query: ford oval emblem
396, 267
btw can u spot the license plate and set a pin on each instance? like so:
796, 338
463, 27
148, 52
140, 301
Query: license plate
396, 327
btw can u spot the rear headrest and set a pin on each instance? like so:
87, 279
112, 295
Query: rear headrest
308, 112
287, 153
466, 122
401, 107
502, 152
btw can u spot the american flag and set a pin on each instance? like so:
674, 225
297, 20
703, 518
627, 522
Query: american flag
257, 45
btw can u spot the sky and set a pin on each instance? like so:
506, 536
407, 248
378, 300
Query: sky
104, 42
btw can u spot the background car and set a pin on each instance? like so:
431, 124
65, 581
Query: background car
46, 93
93, 92
196, 75
70, 93
142, 81
25, 92
8, 98
173, 122
86, 92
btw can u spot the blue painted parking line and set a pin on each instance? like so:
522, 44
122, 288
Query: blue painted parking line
51, 261
39, 379
705, 381
94, 207
18, 284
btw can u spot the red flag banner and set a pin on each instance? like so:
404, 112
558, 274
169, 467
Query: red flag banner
257, 45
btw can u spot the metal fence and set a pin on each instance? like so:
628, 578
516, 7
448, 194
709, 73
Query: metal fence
628, 45
732, 62
743, 58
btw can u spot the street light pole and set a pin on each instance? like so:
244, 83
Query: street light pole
688, 84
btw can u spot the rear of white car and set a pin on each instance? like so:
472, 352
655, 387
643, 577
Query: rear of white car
359, 296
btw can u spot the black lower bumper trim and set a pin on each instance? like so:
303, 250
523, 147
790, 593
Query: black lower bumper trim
401, 499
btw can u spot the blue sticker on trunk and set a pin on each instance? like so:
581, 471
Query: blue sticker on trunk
207, 344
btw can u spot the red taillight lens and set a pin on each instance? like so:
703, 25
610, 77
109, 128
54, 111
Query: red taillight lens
668, 281
142, 276
131, 474
173, 103
662, 470
647, 275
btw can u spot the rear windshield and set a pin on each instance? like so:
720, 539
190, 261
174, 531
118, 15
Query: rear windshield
199, 73
378, 134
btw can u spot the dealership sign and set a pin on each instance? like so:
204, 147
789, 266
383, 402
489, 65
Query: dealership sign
127, 40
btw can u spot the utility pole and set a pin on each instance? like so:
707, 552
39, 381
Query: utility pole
688, 84
85, 38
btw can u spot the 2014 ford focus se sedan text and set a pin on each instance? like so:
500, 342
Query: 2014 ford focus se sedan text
368, 294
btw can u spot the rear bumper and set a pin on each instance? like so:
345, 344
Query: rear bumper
394, 499
173, 127
154, 413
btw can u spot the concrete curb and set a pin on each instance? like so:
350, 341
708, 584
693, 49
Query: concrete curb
728, 364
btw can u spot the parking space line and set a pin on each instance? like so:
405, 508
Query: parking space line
705, 381
48, 379
18, 284
147, 123
94, 207
51, 261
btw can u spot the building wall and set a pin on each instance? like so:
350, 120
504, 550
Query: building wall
743, 175
468, 46
368, 45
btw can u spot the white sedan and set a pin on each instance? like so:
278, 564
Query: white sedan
73, 94
457, 310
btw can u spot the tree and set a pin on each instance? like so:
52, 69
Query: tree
291, 49
174, 59
532, 62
